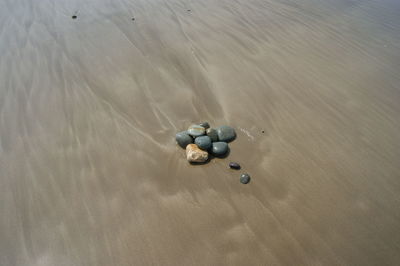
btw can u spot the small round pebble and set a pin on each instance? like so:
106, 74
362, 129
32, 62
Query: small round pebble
219, 148
212, 133
226, 133
196, 130
244, 178
204, 142
234, 165
205, 125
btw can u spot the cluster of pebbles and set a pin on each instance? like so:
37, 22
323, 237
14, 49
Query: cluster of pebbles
200, 140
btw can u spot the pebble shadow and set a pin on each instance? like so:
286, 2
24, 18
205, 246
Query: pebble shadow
206, 162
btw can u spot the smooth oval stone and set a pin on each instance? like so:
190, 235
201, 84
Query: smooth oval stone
212, 133
226, 133
183, 139
234, 165
204, 142
244, 178
205, 125
196, 130
219, 148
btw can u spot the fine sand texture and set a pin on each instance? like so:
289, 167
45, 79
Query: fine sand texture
92, 94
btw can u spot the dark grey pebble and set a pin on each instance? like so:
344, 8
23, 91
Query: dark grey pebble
226, 133
205, 125
74, 17
234, 165
244, 178
204, 142
212, 133
183, 139
196, 130
220, 148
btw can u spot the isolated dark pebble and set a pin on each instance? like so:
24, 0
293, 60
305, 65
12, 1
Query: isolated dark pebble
244, 178
205, 125
263, 131
74, 17
133, 18
234, 165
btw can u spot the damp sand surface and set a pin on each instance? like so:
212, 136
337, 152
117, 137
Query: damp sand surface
93, 92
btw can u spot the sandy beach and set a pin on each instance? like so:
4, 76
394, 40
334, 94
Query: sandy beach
90, 173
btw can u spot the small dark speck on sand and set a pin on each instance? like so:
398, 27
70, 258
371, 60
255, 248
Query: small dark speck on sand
133, 18
263, 131
189, 10
74, 17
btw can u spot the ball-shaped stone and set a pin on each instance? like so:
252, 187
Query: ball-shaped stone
204, 142
226, 133
244, 178
219, 148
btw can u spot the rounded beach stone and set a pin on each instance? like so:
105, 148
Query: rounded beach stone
196, 130
219, 148
226, 133
204, 142
244, 178
212, 133
183, 139
195, 155
234, 165
205, 125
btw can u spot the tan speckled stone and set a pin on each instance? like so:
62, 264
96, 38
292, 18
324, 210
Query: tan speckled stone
195, 155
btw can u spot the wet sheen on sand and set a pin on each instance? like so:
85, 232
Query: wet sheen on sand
90, 173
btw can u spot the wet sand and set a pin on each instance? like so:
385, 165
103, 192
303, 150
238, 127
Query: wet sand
89, 170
